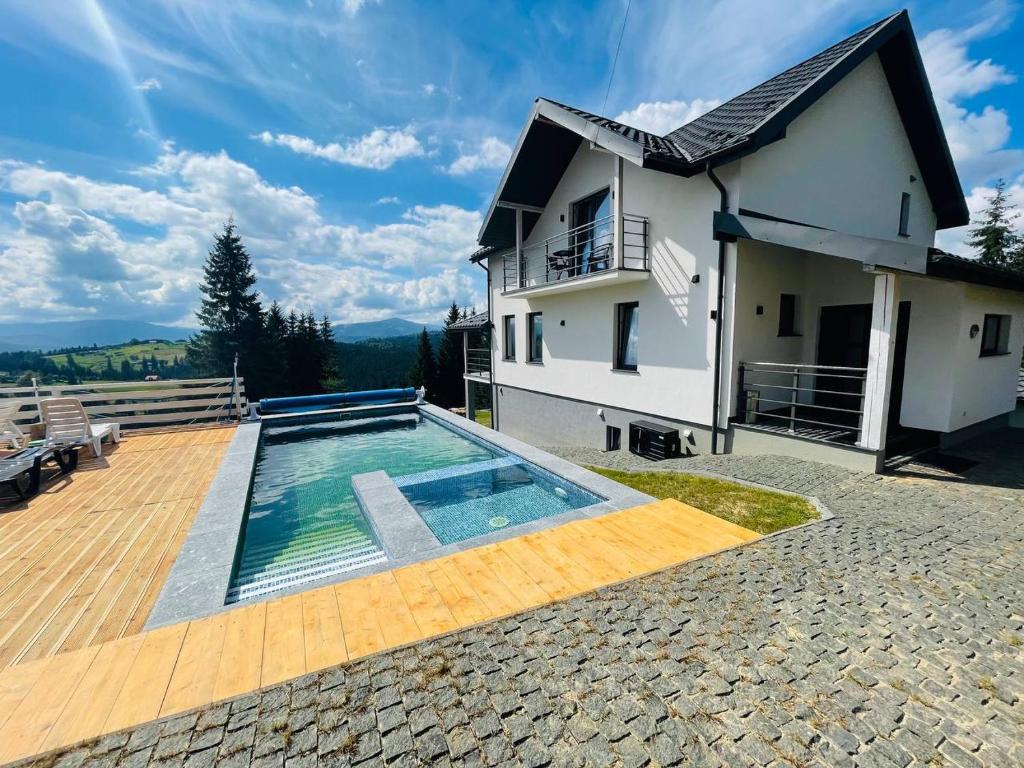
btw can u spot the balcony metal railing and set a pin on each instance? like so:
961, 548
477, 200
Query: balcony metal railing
814, 401
478, 362
579, 253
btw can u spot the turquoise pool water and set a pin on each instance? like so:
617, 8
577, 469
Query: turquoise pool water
304, 520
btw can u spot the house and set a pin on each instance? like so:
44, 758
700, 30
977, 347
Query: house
763, 278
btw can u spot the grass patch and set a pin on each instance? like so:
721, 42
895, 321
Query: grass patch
753, 508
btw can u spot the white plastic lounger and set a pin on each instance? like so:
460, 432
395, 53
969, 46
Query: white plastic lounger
68, 424
10, 433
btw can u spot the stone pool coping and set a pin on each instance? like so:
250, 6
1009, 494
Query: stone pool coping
198, 582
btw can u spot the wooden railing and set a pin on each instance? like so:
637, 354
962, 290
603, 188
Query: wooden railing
138, 404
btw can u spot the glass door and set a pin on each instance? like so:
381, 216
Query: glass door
592, 238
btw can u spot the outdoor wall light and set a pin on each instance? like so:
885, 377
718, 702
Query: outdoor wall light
695, 279
759, 310
562, 323
975, 330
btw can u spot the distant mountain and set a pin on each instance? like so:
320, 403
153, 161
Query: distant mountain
83, 333
379, 329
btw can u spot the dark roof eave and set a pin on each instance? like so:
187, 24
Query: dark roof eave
951, 267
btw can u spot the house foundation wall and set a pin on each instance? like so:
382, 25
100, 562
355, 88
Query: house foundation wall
753, 442
550, 420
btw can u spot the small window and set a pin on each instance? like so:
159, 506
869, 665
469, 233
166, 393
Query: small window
995, 335
509, 330
905, 215
627, 335
787, 315
535, 327
612, 438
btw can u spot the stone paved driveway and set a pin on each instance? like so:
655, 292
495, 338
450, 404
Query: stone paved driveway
890, 635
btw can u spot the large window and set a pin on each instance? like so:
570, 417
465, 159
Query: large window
535, 328
905, 215
508, 323
995, 335
787, 315
627, 335
592, 233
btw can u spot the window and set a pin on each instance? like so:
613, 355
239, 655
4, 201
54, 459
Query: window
627, 331
995, 335
787, 315
535, 328
592, 238
509, 330
905, 215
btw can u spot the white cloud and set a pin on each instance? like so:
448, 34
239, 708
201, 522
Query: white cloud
661, 117
352, 7
379, 149
490, 153
955, 240
429, 89
389, 200
136, 250
149, 84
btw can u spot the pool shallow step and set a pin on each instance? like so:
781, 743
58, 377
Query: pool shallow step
272, 583
250, 568
457, 470
313, 540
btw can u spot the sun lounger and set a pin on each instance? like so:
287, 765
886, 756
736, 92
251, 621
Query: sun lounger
68, 424
10, 433
23, 471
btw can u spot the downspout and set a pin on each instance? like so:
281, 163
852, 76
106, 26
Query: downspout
717, 396
490, 347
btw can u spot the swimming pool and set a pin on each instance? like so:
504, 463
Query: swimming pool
306, 523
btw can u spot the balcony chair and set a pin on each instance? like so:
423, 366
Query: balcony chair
68, 424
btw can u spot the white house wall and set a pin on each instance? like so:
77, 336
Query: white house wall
676, 344
843, 165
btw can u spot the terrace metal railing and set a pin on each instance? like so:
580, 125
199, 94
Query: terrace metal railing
139, 404
478, 362
579, 253
820, 402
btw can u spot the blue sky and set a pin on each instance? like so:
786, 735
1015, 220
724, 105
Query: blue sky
357, 142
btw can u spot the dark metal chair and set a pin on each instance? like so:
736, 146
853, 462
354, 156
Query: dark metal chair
560, 262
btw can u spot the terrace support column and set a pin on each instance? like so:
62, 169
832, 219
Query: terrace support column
520, 277
470, 401
617, 223
882, 343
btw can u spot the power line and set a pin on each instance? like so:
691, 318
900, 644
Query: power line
615, 61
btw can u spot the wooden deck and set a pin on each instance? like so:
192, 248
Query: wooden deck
49, 701
83, 562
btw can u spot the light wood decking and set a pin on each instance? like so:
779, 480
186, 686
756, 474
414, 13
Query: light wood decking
54, 701
83, 562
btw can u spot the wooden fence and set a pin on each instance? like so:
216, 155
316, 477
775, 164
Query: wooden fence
138, 404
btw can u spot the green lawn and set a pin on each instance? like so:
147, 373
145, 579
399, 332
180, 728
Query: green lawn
96, 359
757, 510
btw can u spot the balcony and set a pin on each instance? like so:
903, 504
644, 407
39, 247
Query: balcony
600, 253
478, 364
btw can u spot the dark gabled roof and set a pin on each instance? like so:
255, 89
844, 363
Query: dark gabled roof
760, 116
952, 267
471, 323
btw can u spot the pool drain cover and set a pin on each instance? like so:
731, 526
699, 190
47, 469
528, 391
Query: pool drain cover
498, 522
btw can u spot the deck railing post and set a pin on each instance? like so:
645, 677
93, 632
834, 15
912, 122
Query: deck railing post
741, 404
792, 400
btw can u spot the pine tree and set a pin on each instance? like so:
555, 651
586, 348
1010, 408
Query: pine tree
424, 369
994, 236
330, 370
275, 352
230, 314
126, 370
449, 362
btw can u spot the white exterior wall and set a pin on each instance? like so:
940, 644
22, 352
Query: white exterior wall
676, 345
843, 165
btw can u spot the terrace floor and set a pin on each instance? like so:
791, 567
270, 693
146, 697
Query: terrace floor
88, 556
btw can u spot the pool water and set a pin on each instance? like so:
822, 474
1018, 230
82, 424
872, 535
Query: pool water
304, 521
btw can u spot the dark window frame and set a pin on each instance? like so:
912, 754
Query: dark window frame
995, 335
508, 323
789, 324
905, 215
535, 356
620, 339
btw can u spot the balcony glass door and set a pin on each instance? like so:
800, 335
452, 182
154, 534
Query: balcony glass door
592, 238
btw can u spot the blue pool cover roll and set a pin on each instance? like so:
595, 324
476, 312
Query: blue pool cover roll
304, 403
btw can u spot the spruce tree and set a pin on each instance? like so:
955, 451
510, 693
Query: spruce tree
993, 236
275, 352
449, 361
230, 315
330, 370
424, 369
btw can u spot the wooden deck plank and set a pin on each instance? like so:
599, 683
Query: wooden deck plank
426, 604
498, 598
15, 684
195, 673
396, 622
142, 694
456, 591
363, 634
547, 577
322, 631
284, 649
241, 660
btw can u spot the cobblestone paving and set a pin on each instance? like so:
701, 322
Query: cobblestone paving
889, 635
